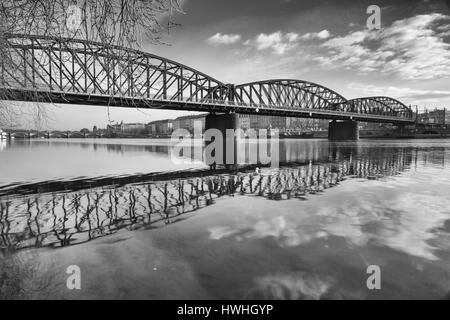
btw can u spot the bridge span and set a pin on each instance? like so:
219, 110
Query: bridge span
72, 71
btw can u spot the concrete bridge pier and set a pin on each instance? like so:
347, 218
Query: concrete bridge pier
404, 131
221, 151
343, 130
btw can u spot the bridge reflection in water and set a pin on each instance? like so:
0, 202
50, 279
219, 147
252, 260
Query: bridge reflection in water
56, 219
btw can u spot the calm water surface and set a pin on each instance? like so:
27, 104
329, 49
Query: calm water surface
307, 230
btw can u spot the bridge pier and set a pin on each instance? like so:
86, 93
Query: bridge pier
403, 131
343, 130
221, 150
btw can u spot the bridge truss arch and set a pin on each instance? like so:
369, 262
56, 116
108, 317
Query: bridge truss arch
78, 67
63, 70
288, 93
379, 105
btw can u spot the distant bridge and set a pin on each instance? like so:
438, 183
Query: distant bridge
61, 70
35, 134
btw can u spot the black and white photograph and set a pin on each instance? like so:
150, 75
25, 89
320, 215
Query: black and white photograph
242, 152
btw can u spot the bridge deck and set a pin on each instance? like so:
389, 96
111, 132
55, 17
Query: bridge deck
202, 105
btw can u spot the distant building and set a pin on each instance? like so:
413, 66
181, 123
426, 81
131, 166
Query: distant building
187, 122
306, 124
127, 128
376, 129
114, 128
283, 124
258, 122
160, 127
279, 123
133, 128
434, 117
244, 121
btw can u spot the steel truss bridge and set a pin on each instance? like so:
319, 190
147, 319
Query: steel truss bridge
61, 70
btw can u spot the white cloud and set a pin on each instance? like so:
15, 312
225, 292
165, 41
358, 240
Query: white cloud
280, 43
401, 92
324, 34
293, 286
411, 96
413, 48
225, 39
277, 42
292, 36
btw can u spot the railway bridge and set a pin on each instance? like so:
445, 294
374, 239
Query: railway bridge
72, 71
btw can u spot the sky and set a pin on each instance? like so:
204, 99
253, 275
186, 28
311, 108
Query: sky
323, 41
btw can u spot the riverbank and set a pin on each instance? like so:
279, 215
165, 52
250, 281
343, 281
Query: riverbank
414, 136
306, 135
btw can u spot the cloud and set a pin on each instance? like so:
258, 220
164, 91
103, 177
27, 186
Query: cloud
412, 48
278, 228
399, 92
277, 42
223, 39
280, 43
290, 286
324, 34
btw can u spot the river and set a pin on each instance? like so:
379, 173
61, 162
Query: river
140, 225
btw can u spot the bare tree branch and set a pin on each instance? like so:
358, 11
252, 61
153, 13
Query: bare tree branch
112, 22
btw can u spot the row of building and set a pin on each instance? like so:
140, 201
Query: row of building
167, 126
283, 124
434, 117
